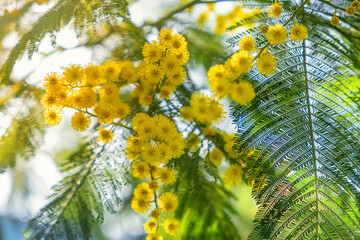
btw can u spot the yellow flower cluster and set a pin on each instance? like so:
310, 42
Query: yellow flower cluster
226, 78
277, 34
223, 78
93, 91
155, 143
161, 70
143, 194
233, 174
203, 109
156, 140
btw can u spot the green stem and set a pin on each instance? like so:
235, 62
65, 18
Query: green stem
337, 7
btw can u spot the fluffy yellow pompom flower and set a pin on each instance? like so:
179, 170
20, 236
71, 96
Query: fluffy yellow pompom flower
242, 92
218, 80
122, 110
150, 226
140, 205
93, 75
216, 157
170, 64
168, 202
140, 170
165, 127
247, 43
171, 226
241, 62
166, 175
88, 97
150, 153
232, 175
74, 75
178, 43
216, 72
165, 36
52, 80
104, 112
165, 92
111, 70
177, 145
49, 100
220, 87
133, 149
275, 9
334, 20
154, 74
109, 93
143, 191
80, 122
52, 116
105, 135
206, 109
153, 52
186, 113
62, 94
277, 34
182, 56
299, 32
128, 73
266, 64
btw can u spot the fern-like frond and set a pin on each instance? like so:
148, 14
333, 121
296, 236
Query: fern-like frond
306, 128
204, 207
96, 175
23, 138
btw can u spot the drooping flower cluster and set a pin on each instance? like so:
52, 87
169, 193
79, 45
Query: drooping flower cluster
94, 93
155, 143
156, 140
